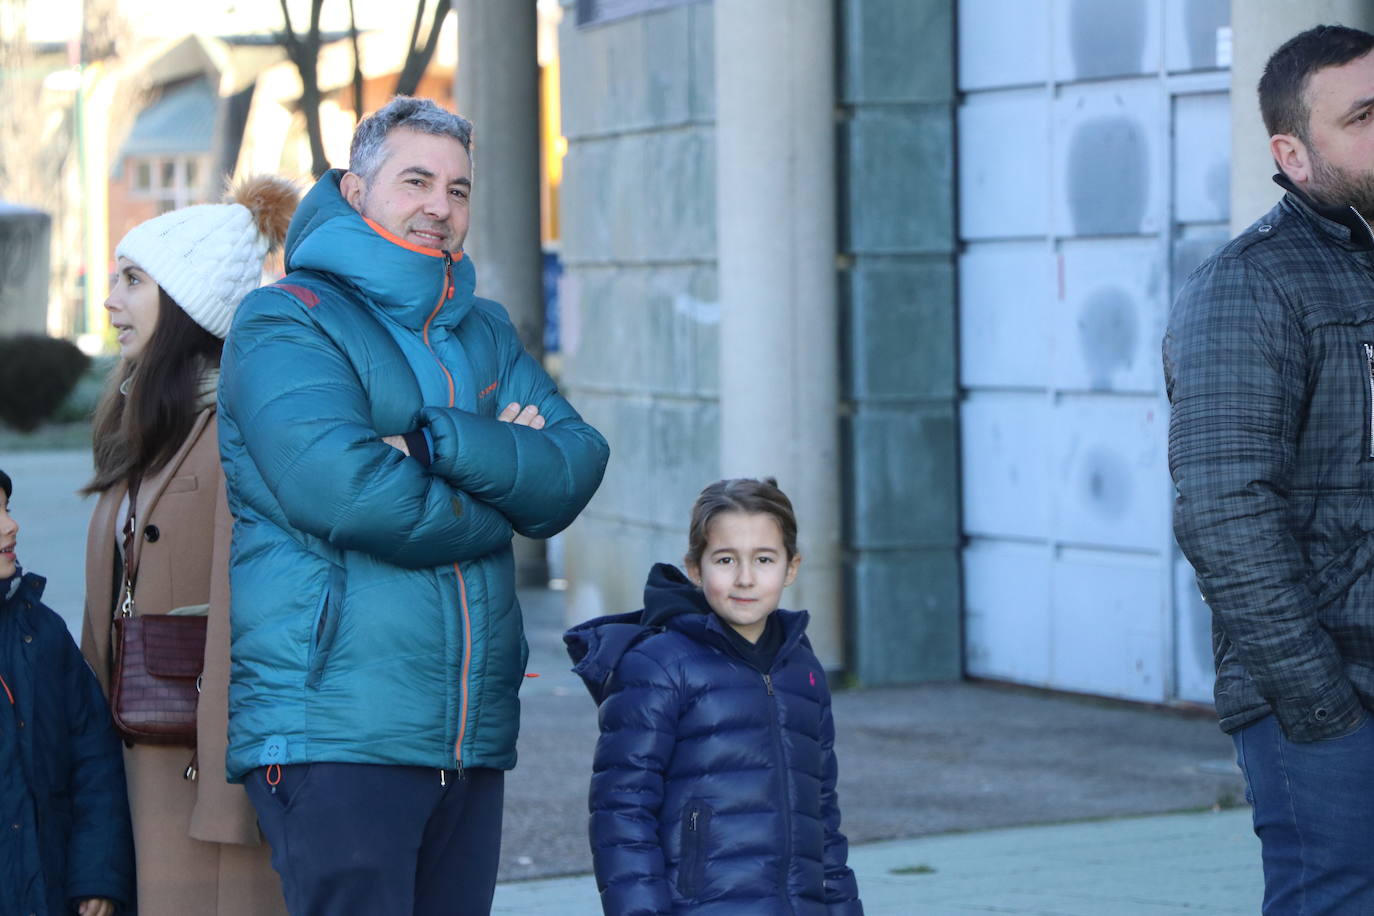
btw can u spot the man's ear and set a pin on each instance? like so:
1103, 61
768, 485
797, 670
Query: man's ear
793, 565
1292, 158
352, 188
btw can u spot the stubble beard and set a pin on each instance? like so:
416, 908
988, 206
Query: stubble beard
1334, 186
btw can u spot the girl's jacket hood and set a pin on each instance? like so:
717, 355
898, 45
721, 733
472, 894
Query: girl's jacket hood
671, 601
400, 279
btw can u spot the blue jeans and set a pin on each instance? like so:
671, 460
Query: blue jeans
1313, 805
363, 840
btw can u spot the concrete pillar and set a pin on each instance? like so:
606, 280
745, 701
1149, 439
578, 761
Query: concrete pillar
776, 237
498, 90
1258, 27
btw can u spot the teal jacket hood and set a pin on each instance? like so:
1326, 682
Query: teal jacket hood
408, 283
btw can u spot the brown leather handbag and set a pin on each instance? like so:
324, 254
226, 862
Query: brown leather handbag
158, 660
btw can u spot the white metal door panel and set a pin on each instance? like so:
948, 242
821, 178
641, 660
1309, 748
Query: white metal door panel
1202, 158
1004, 439
1007, 611
1110, 315
1108, 631
1195, 670
1105, 38
1003, 43
1003, 157
1109, 164
1197, 35
1005, 290
1110, 473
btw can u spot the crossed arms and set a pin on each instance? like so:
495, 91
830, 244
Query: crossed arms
294, 398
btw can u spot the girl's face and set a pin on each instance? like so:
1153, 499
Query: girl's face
9, 537
133, 308
744, 569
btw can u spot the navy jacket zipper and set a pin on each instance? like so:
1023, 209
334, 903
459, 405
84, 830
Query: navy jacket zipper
784, 806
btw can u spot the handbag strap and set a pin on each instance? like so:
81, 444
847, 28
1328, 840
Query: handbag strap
126, 607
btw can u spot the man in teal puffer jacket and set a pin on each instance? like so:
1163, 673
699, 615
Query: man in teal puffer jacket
383, 434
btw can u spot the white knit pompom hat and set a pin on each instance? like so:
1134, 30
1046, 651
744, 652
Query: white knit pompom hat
208, 257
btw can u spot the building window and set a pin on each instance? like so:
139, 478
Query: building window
595, 12
170, 181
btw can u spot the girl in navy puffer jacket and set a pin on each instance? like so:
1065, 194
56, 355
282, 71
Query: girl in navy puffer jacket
713, 786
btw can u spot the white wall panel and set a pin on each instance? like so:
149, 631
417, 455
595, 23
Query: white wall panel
1193, 664
1197, 35
1004, 165
1110, 315
1108, 635
1003, 43
1007, 611
1109, 145
1006, 292
1110, 474
1094, 150
1202, 158
1004, 444
1106, 38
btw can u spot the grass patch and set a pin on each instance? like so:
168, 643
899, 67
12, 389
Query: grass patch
913, 870
48, 437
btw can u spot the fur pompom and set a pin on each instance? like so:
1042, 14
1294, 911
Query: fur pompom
271, 200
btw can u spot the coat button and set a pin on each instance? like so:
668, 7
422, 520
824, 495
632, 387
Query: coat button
28, 637
151, 534
1320, 714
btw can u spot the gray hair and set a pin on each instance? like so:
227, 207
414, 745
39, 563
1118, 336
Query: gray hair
368, 152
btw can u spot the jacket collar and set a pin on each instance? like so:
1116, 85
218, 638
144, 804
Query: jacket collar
414, 286
21, 582
1343, 223
671, 602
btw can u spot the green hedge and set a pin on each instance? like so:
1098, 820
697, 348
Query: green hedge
37, 374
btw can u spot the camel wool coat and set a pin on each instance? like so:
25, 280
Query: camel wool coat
197, 843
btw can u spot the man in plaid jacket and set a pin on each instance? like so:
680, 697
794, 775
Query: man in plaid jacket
1269, 365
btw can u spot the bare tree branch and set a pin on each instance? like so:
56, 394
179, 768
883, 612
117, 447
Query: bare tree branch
417, 59
305, 54
287, 37
357, 63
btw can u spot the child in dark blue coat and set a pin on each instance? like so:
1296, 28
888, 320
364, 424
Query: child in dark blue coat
65, 841
713, 785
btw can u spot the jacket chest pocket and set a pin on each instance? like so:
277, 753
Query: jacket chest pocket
696, 828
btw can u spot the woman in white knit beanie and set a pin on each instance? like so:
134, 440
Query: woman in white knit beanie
160, 533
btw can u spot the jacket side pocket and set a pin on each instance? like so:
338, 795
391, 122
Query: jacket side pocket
696, 831
325, 626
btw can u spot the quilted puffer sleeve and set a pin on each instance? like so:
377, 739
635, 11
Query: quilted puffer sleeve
1235, 369
638, 730
304, 419
100, 851
841, 890
540, 479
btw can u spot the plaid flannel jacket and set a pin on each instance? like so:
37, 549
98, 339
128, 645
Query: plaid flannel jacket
1269, 366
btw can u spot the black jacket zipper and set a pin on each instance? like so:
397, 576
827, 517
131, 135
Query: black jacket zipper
1369, 367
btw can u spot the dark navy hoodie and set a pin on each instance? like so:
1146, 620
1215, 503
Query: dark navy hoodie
713, 784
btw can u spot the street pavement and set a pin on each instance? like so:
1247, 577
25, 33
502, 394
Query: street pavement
957, 798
